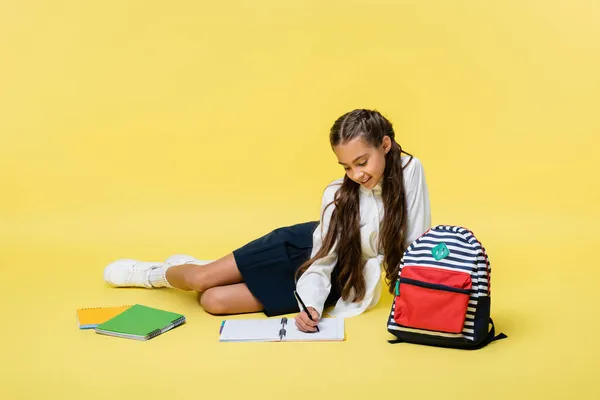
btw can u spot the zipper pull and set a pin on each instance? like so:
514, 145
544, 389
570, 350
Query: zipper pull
397, 287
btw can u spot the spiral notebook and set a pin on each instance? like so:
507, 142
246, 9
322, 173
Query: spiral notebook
91, 317
279, 330
141, 323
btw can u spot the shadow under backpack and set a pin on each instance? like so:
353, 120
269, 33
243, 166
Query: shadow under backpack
442, 295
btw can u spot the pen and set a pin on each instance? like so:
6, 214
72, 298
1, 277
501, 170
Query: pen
304, 307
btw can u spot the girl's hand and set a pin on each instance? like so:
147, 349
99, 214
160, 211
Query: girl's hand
304, 323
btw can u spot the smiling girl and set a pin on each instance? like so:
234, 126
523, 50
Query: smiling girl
368, 218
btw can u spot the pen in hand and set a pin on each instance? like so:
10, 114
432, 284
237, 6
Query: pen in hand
304, 307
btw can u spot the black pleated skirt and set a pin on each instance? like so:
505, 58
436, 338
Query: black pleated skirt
268, 266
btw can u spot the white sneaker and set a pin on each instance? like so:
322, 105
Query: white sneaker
180, 259
130, 273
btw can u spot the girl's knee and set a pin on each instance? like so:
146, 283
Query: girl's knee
213, 302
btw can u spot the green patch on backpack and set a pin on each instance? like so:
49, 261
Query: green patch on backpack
440, 251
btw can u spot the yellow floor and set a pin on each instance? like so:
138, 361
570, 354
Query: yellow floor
142, 129
540, 300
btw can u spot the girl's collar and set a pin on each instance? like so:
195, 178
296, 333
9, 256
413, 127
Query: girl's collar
376, 190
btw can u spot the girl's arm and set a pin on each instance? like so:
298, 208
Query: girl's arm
315, 283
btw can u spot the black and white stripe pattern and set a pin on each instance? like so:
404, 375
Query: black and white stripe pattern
466, 255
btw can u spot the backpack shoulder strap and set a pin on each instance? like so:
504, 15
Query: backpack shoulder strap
491, 337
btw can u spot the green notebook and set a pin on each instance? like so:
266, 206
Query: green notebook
141, 323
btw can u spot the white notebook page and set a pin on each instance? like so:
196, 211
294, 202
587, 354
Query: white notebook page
264, 330
249, 330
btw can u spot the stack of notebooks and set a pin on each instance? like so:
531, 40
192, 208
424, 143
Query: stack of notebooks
137, 322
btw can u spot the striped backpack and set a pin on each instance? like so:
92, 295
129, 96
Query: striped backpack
442, 296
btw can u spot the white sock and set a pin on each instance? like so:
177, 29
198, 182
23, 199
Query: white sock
158, 276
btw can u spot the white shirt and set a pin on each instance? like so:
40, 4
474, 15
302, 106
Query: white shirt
314, 285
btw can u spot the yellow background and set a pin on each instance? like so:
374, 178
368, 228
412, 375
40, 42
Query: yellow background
144, 128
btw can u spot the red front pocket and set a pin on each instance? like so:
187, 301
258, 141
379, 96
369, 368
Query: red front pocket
433, 299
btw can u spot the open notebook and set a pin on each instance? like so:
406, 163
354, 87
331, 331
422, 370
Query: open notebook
279, 330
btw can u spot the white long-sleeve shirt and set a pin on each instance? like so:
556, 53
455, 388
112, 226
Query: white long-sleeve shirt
315, 284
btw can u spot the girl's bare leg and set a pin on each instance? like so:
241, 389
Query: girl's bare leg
219, 286
230, 299
221, 272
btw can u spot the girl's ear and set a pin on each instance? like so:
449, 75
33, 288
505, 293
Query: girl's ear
387, 144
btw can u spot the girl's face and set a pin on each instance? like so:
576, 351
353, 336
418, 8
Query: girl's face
363, 163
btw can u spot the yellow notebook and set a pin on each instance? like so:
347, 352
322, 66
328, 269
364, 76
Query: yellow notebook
89, 318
